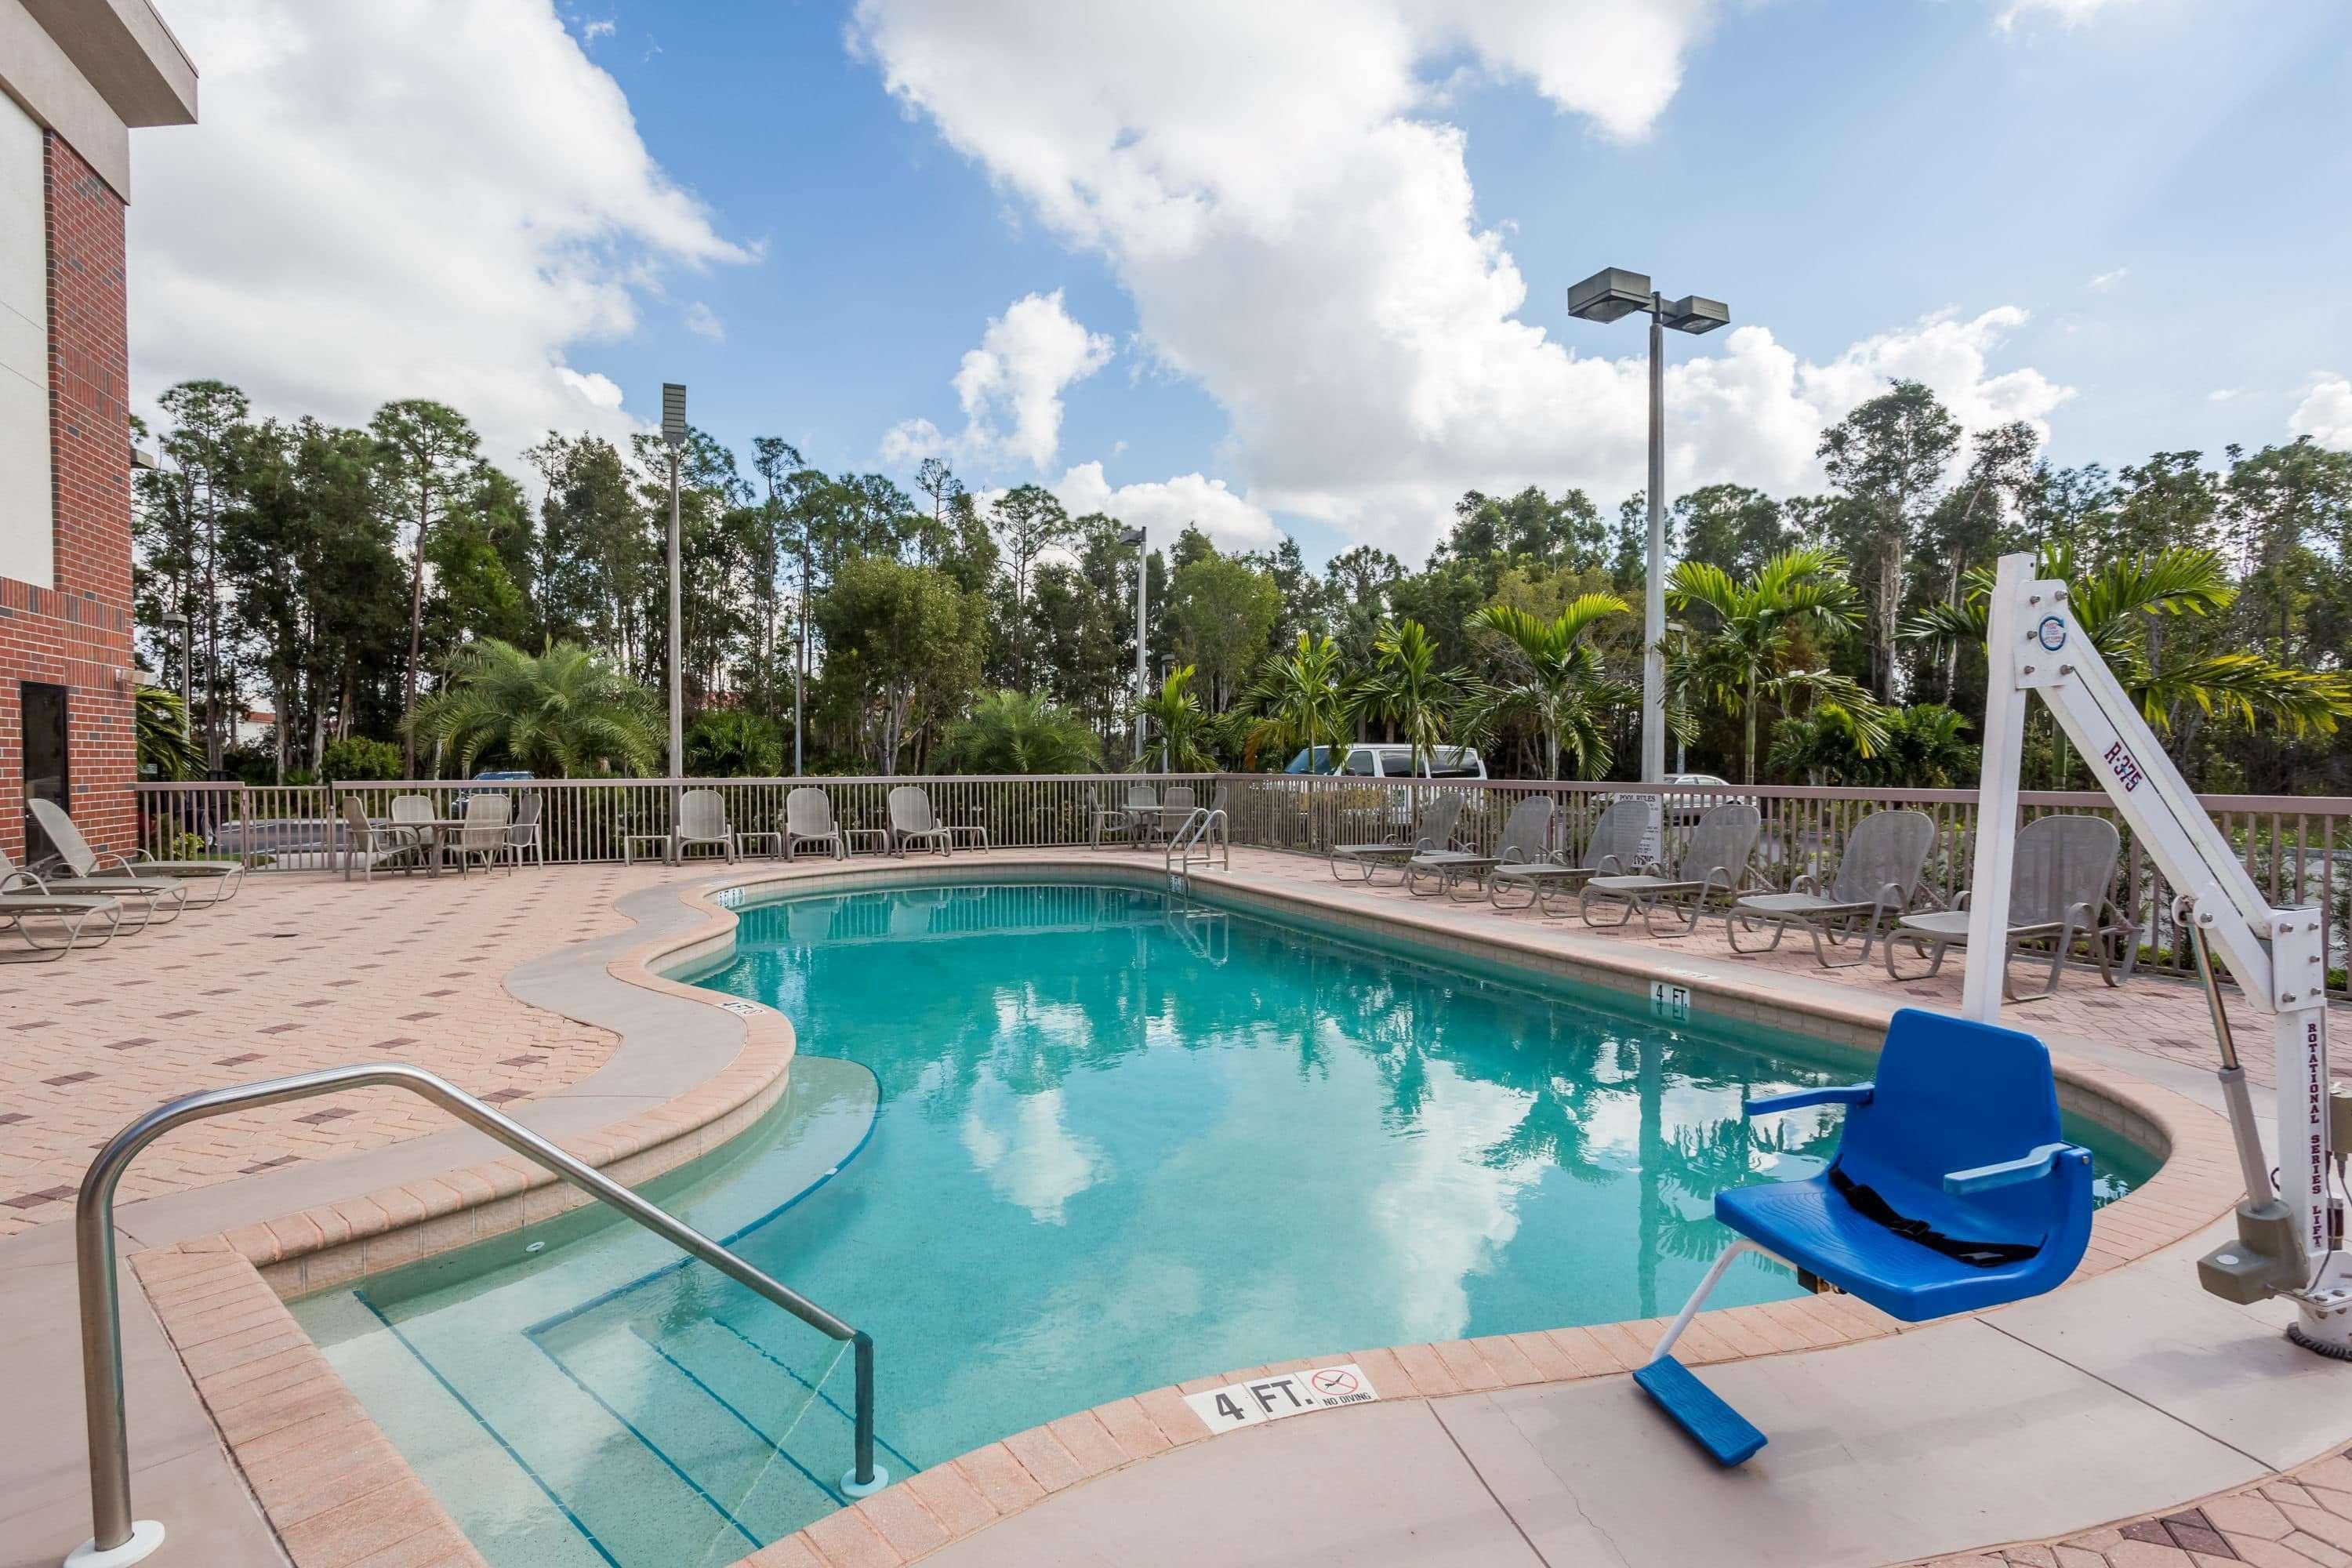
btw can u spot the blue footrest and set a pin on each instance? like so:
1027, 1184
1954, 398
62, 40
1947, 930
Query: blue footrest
1721, 1430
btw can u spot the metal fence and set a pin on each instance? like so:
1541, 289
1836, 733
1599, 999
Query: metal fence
2298, 849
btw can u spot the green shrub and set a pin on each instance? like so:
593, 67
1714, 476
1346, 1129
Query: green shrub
357, 757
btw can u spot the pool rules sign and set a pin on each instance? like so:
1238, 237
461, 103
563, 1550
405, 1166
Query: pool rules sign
1277, 1394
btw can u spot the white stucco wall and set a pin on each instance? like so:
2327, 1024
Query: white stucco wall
26, 528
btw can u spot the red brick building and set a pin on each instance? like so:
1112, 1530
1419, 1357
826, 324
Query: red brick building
76, 75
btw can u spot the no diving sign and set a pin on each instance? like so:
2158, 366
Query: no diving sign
1272, 1397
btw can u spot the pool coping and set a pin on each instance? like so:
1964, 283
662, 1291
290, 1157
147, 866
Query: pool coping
323, 1474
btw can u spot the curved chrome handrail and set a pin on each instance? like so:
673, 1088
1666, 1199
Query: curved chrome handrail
101, 1326
1194, 834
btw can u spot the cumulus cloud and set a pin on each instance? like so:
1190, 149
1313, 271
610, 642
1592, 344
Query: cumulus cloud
1011, 388
1166, 507
442, 199
2325, 412
1299, 233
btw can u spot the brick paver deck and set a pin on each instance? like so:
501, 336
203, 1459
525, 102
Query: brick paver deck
296, 972
2299, 1519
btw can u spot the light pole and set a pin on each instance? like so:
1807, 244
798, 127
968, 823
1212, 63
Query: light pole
1142, 573
1607, 296
674, 435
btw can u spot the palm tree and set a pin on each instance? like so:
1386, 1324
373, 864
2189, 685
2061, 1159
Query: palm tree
1407, 691
2114, 607
1176, 717
730, 744
562, 713
161, 721
1739, 662
1021, 732
1552, 678
1302, 701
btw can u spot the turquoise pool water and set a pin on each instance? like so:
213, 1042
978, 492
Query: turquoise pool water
1049, 1145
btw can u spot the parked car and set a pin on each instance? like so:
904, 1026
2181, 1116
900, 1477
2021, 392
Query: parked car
1386, 760
1682, 811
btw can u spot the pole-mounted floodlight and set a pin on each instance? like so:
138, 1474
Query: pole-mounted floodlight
673, 433
1609, 295
1134, 536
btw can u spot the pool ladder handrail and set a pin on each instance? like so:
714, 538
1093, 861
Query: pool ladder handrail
115, 1537
1194, 835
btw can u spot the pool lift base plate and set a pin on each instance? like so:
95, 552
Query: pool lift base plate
852, 1486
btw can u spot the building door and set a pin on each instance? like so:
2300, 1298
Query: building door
46, 775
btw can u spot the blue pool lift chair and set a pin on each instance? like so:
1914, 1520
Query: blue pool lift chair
1952, 1191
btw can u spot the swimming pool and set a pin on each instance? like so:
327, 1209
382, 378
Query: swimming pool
1055, 1143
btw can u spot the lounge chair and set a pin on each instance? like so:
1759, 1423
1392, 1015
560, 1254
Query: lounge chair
808, 819
2058, 892
1877, 877
484, 837
1439, 820
912, 821
147, 897
1527, 837
1712, 864
701, 819
24, 897
368, 845
1614, 849
218, 878
1952, 1191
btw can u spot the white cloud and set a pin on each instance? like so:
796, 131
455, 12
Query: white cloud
1299, 237
1165, 507
704, 322
441, 199
2107, 280
2066, 13
2225, 395
1011, 388
2325, 412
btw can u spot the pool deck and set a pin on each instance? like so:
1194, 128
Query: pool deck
2057, 1422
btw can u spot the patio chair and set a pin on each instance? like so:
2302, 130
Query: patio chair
148, 897
1877, 877
1439, 821
1713, 863
24, 897
368, 845
912, 821
701, 819
2058, 892
1175, 810
484, 837
1614, 849
1952, 1191
523, 835
1127, 821
219, 878
1526, 836
808, 819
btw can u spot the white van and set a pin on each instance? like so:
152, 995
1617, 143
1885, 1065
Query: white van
1387, 760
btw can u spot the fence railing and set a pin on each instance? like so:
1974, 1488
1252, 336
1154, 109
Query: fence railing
2298, 849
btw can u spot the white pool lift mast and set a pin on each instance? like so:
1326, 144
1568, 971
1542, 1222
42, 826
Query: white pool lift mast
2290, 1236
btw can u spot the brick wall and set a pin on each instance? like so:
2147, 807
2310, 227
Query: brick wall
77, 634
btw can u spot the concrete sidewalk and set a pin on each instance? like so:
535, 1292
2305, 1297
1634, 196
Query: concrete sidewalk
2121, 1395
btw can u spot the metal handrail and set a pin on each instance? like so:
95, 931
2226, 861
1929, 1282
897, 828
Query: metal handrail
1195, 832
114, 1529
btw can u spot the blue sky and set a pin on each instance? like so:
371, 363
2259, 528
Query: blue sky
1300, 240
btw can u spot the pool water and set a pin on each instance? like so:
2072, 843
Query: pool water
1050, 1145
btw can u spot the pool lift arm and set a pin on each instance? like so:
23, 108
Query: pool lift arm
2290, 1236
